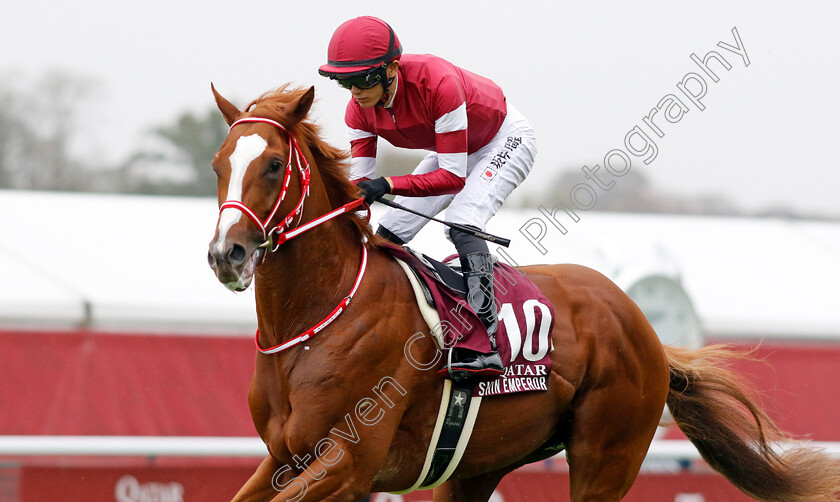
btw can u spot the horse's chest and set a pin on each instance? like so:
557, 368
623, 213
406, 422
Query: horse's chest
270, 415
287, 428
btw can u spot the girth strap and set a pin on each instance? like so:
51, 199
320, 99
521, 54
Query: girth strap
453, 429
456, 416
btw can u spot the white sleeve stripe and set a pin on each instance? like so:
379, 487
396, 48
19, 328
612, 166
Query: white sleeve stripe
362, 167
455, 163
456, 120
354, 134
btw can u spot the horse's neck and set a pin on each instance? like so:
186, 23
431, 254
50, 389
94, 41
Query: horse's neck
305, 279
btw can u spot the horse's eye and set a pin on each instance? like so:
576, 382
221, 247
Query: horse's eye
276, 166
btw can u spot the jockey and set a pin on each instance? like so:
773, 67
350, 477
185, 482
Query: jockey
481, 149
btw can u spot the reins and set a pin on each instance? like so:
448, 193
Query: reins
283, 234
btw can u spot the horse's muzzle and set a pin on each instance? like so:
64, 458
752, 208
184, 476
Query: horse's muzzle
234, 264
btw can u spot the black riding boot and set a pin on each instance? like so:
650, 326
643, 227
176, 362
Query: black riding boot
477, 268
384, 232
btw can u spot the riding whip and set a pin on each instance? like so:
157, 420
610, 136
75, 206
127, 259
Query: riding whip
477, 233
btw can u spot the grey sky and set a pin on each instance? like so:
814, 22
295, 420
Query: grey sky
585, 74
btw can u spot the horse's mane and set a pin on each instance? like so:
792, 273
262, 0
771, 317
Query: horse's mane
332, 163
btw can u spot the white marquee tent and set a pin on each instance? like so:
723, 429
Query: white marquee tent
139, 263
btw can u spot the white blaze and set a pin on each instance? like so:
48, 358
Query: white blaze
248, 148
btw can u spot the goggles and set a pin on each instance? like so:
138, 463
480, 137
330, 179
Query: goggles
363, 81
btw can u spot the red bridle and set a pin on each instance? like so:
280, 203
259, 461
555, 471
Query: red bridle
283, 234
272, 243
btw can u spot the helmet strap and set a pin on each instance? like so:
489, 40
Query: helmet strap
386, 87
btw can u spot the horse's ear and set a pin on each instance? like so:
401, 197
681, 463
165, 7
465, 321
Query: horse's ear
229, 111
304, 104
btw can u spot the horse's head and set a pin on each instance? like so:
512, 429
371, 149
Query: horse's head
262, 178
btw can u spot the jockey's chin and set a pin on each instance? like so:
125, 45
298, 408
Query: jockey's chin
367, 98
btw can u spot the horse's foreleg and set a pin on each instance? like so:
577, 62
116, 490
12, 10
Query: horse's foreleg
304, 481
259, 487
276, 482
318, 481
475, 489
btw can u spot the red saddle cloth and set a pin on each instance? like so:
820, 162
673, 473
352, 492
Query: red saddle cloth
523, 336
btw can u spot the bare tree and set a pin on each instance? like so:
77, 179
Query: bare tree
38, 124
15, 137
177, 158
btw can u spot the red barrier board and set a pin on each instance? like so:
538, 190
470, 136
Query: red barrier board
91, 383
131, 484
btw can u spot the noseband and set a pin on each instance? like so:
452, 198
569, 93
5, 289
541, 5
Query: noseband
282, 234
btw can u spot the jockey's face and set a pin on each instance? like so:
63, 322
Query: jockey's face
367, 98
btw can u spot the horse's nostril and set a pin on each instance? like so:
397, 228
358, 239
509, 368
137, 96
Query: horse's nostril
211, 259
236, 254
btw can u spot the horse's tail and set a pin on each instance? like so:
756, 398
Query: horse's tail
735, 436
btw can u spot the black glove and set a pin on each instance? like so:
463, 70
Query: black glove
374, 189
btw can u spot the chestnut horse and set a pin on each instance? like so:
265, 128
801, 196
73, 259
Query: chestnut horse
344, 408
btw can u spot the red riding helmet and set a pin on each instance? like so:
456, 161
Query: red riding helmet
359, 46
